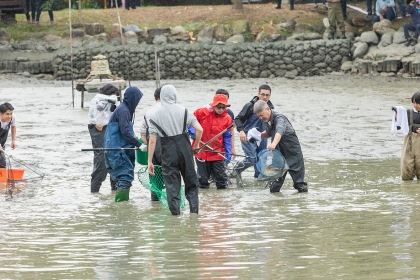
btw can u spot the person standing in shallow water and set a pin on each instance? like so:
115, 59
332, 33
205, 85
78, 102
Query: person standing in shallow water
120, 134
247, 120
283, 138
410, 158
100, 110
7, 122
170, 122
144, 132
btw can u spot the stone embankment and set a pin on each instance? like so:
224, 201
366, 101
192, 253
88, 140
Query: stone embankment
247, 52
206, 61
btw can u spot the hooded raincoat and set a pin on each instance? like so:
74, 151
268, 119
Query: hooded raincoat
170, 122
120, 134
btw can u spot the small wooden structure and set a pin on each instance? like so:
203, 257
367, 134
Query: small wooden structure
99, 76
8, 9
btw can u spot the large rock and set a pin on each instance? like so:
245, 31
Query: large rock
77, 33
179, 34
94, 28
152, 32
160, 39
270, 29
235, 39
369, 37
398, 37
382, 24
130, 34
262, 37
361, 49
288, 24
240, 26
359, 22
386, 40
255, 29
301, 28
347, 66
134, 28
312, 36
206, 35
219, 32
115, 30
4, 36
291, 74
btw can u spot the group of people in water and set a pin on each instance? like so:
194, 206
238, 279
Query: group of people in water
194, 146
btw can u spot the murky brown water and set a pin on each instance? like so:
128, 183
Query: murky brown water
358, 220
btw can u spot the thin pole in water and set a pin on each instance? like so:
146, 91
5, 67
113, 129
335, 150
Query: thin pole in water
123, 43
71, 54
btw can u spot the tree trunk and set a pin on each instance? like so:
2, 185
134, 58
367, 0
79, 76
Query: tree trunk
237, 4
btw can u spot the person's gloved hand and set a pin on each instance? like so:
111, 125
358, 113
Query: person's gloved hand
143, 148
254, 136
228, 158
191, 131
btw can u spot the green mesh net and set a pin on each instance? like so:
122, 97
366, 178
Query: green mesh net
157, 185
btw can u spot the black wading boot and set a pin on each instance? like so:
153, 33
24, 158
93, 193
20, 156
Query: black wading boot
331, 36
301, 187
343, 35
113, 184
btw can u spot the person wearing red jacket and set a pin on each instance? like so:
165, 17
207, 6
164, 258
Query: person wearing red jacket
214, 119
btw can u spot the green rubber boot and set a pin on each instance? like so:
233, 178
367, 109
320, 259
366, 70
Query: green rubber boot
122, 195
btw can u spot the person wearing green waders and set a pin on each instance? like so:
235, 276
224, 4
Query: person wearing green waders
120, 134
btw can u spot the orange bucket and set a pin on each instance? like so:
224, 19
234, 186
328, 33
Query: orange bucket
12, 174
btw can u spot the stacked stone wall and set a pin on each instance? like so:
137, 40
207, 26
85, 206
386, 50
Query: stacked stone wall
211, 61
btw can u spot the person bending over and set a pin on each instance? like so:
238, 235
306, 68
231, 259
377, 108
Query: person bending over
283, 138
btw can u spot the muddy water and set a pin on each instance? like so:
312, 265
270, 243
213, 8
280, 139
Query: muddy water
358, 220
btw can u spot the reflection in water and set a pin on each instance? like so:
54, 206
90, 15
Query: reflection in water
358, 220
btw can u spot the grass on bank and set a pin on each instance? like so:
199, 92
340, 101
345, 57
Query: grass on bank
190, 17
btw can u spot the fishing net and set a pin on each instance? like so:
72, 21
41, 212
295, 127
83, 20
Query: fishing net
157, 185
18, 179
271, 165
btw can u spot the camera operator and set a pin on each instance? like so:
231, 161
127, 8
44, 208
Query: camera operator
101, 107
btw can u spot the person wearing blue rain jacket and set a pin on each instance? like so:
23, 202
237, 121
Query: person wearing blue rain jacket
120, 134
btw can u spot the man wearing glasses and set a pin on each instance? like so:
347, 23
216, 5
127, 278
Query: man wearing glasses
214, 119
247, 120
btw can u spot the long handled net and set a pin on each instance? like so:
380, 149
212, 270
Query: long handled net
18, 178
157, 185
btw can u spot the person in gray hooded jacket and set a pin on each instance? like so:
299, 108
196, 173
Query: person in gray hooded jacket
170, 122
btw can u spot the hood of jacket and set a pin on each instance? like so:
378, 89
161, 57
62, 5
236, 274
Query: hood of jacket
132, 98
168, 95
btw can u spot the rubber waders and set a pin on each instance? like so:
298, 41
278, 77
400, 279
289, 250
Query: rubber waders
122, 195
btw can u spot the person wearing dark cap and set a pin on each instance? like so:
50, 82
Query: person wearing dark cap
100, 110
120, 134
210, 161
